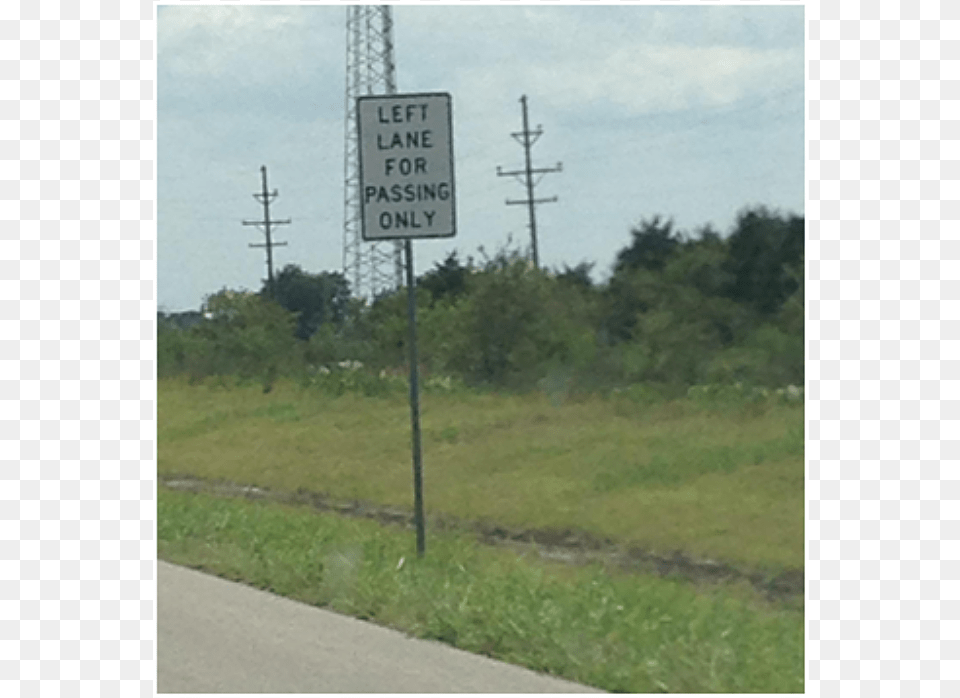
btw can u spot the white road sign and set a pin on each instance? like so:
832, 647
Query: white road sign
406, 166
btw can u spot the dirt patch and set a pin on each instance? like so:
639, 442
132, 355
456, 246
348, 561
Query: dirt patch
566, 545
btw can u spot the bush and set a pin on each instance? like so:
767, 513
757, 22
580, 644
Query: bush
767, 357
243, 334
519, 325
677, 311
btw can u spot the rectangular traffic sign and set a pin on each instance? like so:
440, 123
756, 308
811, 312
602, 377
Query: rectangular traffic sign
406, 166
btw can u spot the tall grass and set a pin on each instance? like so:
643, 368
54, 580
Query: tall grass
721, 479
616, 632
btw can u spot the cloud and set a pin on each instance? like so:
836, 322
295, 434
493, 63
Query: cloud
628, 60
653, 78
261, 60
209, 40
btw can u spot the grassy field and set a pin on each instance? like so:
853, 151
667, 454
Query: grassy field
619, 632
717, 480
723, 482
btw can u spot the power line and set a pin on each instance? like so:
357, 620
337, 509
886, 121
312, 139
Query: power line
524, 138
265, 198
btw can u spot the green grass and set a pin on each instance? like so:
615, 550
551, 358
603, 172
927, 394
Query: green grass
724, 483
618, 632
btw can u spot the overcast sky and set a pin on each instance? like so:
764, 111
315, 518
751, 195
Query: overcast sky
692, 113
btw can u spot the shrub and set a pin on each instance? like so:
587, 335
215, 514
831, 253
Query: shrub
518, 325
768, 357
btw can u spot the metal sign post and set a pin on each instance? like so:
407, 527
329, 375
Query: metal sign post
406, 192
415, 402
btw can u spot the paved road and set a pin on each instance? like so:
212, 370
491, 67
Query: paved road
215, 636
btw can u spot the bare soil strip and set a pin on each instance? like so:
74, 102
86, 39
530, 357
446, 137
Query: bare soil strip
567, 546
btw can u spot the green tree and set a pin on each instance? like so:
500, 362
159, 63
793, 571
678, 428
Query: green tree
762, 245
768, 356
636, 284
171, 347
701, 265
390, 325
314, 298
791, 315
517, 324
245, 334
664, 327
577, 276
627, 296
653, 242
447, 280
702, 262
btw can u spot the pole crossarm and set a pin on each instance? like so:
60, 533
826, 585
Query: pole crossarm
272, 223
522, 136
551, 200
533, 170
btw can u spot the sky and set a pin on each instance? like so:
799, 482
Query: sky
692, 113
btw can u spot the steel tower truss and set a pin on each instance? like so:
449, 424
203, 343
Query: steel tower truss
371, 268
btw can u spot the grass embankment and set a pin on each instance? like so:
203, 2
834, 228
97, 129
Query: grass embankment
724, 483
627, 633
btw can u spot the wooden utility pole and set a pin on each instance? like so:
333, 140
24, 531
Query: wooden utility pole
527, 138
265, 198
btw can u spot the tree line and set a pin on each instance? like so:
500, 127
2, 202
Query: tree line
679, 308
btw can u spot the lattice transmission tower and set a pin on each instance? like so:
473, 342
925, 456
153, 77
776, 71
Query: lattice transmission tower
371, 268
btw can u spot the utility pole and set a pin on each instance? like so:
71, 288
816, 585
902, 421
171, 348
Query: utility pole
527, 138
265, 198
